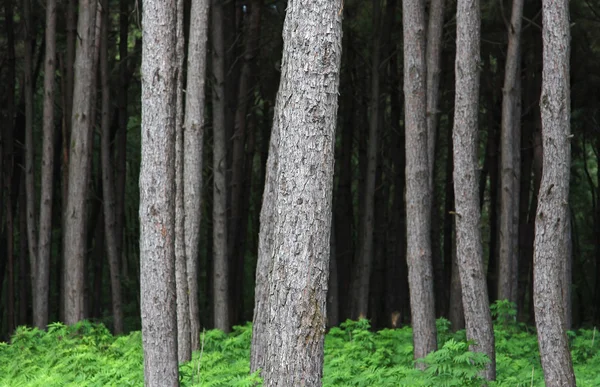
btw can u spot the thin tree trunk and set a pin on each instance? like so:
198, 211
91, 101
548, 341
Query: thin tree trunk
75, 235
418, 183
360, 302
239, 175
509, 155
42, 268
192, 159
108, 182
184, 349
552, 218
157, 188
469, 248
221, 268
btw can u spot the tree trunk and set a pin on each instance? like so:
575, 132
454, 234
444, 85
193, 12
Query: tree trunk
221, 268
299, 236
509, 154
418, 183
42, 268
192, 159
184, 349
75, 235
552, 219
360, 300
108, 182
469, 249
157, 187
239, 175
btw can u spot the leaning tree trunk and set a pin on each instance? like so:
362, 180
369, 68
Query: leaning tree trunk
157, 188
552, 219
469, 250
221, 267
418, 198
192, 159
509, 155
304, 128
75, 235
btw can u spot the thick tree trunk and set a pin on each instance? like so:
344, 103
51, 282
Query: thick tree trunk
469, 248
221, 267
299, 235
108, 182
192, 159
75, 235
418, 183
552, 220
157, 201
509, 155
184, 349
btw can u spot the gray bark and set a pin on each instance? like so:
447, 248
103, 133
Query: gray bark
220, 258
108, 183
510, 167
42, 269
157, 188
552, 217
184, 349
469, 249
300, 188
75, 235
360, 302
192, 160
418, 196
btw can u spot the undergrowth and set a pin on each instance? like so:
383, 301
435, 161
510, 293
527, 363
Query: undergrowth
87, 354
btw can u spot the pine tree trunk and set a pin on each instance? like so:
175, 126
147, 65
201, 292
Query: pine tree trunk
221, 267
552, 219
157, 188
192, 159
469, 248
75, 235
418, 183
300, 189
509, 155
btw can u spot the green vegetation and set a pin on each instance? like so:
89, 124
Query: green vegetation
86, 354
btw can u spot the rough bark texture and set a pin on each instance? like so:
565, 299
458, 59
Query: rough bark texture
108, 183
221, 267
157, 188
192, 160
360, 289
184, 351
418, 198
509, 155
75, 236
42, 269
552, 220
304, 131
469, 249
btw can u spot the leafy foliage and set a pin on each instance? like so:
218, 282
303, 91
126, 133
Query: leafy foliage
87, 354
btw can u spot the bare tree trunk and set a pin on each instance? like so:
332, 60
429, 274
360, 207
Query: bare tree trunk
552, 220
304, 129
108, 181
42, 268
510, 154
79, 164
192, 159
469, 249
221, 268
157, 188
418, 183
360, 302
184, 349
